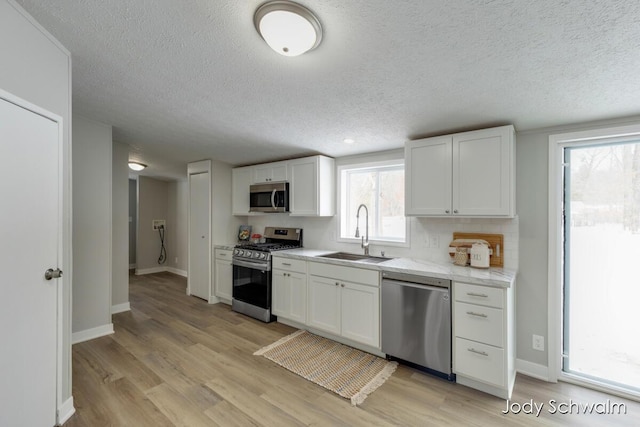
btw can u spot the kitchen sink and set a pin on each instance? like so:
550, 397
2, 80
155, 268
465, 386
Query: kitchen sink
346, 256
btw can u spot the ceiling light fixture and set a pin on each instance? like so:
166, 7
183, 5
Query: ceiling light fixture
288, 28
349, 141
136, 166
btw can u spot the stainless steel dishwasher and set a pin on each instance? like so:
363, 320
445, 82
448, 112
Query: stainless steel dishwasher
416, 321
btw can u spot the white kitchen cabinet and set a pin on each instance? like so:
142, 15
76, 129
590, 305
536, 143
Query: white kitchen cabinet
223, 275
484, 340
312, 186
241, 179
270, 172
469, 174
345, 301
290, 289
324, 304
360, 313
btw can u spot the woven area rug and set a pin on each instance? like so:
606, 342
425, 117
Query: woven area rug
350, 373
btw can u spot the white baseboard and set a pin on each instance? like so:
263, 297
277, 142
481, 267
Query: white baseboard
89, 334
174, 270
531, 369
119, 308
142, 271
65, 411
132, 266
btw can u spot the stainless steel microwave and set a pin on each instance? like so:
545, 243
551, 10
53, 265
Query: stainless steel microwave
269, 197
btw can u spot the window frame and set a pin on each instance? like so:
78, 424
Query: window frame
340, 196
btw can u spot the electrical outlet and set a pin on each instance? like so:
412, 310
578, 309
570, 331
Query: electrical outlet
434, 242
538, 342
157, 223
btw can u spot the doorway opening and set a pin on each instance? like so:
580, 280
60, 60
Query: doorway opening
600, 220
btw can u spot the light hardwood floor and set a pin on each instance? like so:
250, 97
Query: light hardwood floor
176, 360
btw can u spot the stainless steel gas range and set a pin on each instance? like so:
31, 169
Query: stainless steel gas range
252, 271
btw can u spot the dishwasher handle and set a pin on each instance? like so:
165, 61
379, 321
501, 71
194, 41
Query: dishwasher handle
414, 285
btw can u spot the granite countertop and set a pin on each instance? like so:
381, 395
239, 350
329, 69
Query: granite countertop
498, 277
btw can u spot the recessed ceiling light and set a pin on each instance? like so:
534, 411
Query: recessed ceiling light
288, 28
136, 166
349, 141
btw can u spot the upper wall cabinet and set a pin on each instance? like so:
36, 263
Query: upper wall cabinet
312, 186
469, 174
269, 172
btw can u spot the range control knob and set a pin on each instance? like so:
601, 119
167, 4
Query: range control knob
263, 255
236, 251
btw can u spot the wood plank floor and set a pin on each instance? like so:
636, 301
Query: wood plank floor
175, 360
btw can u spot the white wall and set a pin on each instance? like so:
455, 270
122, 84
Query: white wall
92, 228
133, 219
177, 223
224, 226
152, 204
37, 68
120, 252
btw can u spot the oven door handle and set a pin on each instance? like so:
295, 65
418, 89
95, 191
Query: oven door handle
252, 265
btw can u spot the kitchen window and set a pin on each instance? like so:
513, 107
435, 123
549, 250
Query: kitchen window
380, 186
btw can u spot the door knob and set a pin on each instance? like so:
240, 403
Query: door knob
52, 274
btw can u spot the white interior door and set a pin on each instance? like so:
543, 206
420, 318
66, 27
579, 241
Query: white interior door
199, 236
29, 232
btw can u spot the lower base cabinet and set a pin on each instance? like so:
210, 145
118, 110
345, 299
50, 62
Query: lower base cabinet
289, 289
223, 278
344, 307
484, 340
289, 295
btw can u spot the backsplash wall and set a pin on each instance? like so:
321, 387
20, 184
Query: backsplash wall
321, 233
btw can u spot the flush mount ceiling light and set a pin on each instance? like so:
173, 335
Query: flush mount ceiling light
288, 28
136, 166
349, 140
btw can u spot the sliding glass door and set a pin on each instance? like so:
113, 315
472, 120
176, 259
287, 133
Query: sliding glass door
601, 263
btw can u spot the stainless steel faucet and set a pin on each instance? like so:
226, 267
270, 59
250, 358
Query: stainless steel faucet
365, 241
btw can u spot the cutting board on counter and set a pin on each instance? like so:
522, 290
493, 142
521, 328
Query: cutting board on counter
496, 243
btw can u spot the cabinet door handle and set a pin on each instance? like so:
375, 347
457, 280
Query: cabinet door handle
221, 254
287, 264
471, 313
473, 294
447, 211
455, 211
337, 284
481, 353
342, 285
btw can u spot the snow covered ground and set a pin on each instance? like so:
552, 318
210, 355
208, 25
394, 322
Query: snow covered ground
605, 303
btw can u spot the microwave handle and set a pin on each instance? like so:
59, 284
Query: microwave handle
273, 199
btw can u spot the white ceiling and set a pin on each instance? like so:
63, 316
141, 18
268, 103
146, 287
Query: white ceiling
182, 81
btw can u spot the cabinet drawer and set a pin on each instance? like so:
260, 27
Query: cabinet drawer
347, 274
290, 264
479, 323
479, 361
223, 254
476, 294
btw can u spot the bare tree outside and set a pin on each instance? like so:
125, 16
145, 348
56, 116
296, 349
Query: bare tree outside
382, 191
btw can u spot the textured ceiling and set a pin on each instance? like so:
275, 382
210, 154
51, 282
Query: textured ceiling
181, 81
